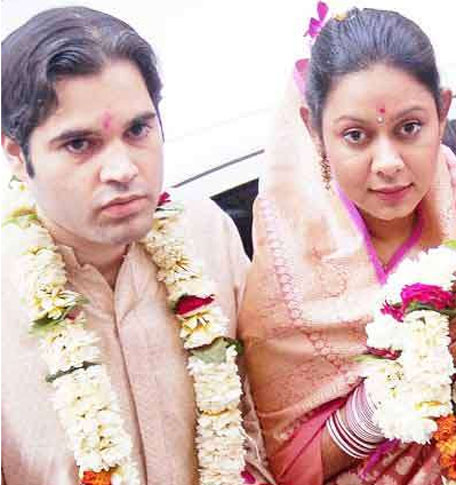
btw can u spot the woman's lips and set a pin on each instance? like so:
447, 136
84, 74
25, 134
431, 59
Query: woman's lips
393, 194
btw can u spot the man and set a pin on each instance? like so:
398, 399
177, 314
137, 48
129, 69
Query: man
81, 129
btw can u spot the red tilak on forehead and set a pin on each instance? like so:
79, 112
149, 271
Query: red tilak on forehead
381, 110
106, 121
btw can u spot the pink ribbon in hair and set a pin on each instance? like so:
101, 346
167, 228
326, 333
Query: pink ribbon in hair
315, 25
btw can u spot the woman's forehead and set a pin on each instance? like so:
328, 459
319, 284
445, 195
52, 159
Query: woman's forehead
380, 89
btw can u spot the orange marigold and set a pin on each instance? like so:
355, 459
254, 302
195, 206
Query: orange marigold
447, 447
446, 428
96, 478
451, 473
446, 461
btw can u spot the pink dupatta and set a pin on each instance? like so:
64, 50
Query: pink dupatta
310, 292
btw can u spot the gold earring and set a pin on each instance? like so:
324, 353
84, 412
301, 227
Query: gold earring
325, 171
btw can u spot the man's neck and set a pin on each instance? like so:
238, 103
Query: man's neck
107, 258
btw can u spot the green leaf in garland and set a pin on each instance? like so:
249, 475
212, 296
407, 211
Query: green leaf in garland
14, 181
215, 353
237, 344
416, 305
21, 219
366, 358
85, 365
44, 324
450, 244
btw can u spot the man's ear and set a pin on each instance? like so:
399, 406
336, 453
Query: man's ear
445, 100
15, 157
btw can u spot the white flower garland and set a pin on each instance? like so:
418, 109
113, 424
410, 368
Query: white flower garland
415, 388
84, 399
410, 377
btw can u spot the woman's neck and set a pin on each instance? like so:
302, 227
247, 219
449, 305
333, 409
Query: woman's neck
389, 236
393, 230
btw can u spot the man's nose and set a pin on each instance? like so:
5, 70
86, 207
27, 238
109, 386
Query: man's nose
118, 165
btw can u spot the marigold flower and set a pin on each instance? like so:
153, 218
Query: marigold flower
446, 428
451, 473
447, 447
96, 478
447, 461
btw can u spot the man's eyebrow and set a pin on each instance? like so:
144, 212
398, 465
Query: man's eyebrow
68, 135
142, 118
71, 135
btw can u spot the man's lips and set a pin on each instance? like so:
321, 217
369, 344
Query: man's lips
124, 206
121, 201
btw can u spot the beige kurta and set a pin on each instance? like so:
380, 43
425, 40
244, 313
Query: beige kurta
141, 346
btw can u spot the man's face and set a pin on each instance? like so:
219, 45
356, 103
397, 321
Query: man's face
98, 159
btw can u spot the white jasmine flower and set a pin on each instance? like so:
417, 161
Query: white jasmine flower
203, 327
384, 332
217, 385
67, 346
201, 287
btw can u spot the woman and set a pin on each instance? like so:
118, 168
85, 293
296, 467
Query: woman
356, 180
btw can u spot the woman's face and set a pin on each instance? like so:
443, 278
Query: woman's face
381, 134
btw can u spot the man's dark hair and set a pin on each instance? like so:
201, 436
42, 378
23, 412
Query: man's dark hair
362, 39
58, 43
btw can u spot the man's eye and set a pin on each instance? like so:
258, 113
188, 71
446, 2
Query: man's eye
78, 145
138, 130
410, 129
355, 136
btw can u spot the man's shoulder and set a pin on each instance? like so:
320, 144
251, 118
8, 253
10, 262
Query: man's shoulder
200, 207
203, 215
211, 229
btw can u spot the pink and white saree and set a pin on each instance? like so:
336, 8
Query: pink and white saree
310, 292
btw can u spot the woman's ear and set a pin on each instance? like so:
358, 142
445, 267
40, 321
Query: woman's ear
445, 103
15, 157
305, 116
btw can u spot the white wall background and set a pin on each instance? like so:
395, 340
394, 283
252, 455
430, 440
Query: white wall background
225, 63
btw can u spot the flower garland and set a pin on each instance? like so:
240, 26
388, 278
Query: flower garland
409, 372
84, 399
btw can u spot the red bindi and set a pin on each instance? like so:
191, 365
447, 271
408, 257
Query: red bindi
381, 112
106, 121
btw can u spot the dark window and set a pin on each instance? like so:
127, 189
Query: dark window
237, 202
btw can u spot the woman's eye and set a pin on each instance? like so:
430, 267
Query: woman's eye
410, 129
78, 145
355, 136
138, 130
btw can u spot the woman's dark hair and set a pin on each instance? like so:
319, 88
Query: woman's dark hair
60, 42
360, 40
449, 137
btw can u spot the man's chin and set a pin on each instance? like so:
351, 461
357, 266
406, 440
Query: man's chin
128, 233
